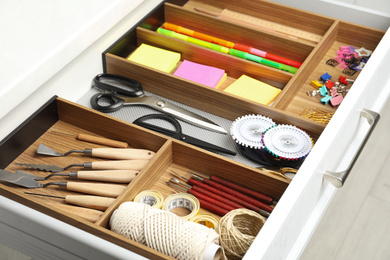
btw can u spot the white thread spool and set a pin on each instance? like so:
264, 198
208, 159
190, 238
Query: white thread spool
165, 232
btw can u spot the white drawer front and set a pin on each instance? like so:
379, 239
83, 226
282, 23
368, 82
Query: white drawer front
291, 224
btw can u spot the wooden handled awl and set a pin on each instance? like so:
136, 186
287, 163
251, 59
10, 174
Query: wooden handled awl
136, 165
118, 176
101, 140
86, 201
100, 189
110, 153
96, 140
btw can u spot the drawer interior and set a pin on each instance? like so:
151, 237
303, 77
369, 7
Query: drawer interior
65, 120
317, 38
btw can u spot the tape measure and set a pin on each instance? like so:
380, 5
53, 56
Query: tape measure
150, 197
207, 220
182, 200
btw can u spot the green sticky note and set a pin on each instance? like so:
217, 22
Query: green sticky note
253, 89
155, 57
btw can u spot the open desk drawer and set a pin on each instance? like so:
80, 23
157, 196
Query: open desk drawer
301, 202
59, 115
336, 145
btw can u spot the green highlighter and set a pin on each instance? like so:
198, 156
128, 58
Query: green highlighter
193, 40
274, 64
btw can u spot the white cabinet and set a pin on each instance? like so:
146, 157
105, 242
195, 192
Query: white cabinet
290, 226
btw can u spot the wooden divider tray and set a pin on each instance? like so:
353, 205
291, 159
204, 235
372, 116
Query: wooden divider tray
59, 115
290, 103
63, 116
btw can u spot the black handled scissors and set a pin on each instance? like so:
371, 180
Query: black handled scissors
177, 132
119, 91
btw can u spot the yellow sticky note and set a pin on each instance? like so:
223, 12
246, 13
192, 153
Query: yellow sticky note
253, 89
155, 57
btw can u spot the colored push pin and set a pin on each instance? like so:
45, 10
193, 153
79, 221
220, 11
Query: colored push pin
363, 52
316, 84
335, 101
329, 84
325, 77
325, 100
323, 91
343, 80
333, 92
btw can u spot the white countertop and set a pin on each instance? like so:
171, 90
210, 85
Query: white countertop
39, 38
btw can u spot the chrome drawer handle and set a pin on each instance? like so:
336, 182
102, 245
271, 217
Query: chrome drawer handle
337, 179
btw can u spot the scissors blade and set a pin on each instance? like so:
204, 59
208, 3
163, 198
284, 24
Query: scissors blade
175, 111
205, 145
192, 118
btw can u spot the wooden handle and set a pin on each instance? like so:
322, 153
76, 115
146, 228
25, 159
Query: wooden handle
119, 176
213, 208
238, 194
136, 165
123, 154
88, 214
242, 189
90, 201
100, 189
101, 140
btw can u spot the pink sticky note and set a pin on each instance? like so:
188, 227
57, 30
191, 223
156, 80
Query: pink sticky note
203, 74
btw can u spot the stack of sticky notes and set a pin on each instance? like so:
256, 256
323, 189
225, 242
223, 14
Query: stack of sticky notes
155, 57
254, 90
203, 74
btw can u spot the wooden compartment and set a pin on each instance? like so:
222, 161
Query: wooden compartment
59, 115
326, 34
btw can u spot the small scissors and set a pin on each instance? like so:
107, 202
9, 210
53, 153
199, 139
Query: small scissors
120, 91
177, 132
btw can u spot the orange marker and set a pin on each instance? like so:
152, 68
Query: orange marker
201, 36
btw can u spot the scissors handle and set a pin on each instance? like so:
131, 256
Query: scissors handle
173, 133
117, 84
115, 103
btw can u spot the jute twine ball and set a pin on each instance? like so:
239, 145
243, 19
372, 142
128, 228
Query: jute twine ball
237, 230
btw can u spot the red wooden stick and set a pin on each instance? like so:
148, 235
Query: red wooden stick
212, 201
217, 197
254, 194
238, 194
229, 196
213, 208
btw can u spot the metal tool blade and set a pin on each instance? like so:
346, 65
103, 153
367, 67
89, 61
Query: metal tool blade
19, 179
45, 150
193, 119
22, 173
177, 112
42, 167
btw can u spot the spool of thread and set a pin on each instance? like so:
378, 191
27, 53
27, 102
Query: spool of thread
165, 232
182, 200
150, 197
237, 230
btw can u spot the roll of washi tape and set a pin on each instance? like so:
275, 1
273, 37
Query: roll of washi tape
150, 197
182, 200
207, 220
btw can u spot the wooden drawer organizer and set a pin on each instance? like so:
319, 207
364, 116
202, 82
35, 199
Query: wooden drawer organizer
64, 116
293, 99
59, 115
